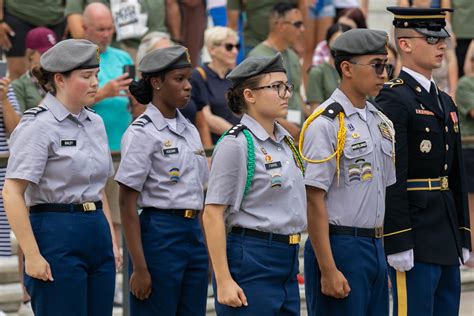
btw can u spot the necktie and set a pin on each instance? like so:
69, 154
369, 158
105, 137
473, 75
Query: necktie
434, 95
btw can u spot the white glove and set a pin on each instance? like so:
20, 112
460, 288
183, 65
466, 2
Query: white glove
402, 261
465, 255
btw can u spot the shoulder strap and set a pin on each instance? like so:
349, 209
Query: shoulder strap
142, 121
202, 72
34, 111
332, 110
235, 131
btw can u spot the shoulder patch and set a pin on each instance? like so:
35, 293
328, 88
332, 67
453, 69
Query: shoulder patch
89, 109
394, 82
332, 110
142, 121
34, 111
236, 129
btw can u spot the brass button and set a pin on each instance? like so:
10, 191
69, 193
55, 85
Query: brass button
446, 129
447, 147
427, 129
445, 166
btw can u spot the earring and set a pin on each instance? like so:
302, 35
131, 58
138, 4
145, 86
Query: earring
158, 88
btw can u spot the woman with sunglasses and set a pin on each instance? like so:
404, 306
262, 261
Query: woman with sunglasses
256, 192
209, 82
163, 171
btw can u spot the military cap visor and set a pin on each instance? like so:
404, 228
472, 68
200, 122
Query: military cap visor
429, 21
70, 55
165, 59
254, 66
361, 42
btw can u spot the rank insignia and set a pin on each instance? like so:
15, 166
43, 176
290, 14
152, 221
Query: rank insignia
355, 135
425, 146
350, 127
167, 143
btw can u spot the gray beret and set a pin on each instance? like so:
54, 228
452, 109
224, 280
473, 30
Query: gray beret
254, 66
361, 42
168, 58
71, 54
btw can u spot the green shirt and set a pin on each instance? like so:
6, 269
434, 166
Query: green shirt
293, 71
462, 18
257, 13
78, 6
465, 103
36, 12
323, 80
27, 92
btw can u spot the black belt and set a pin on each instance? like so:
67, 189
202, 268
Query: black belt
287, 239
376, 232
178, 212
66, 208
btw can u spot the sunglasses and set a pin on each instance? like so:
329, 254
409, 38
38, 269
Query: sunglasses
228, 46
432, 40
378, 67
296, 24
281, 88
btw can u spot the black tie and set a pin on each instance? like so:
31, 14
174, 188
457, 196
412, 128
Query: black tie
434, 95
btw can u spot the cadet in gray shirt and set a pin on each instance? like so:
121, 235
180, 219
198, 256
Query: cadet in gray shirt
256, 189
164, 171
59, 163
349, 146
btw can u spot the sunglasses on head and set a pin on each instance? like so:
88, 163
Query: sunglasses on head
432, 40
228, 46
296, 24
378, 67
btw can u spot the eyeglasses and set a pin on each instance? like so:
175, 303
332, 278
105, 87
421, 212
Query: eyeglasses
296, 24
281, 88
432, 40
228, 46
378, 67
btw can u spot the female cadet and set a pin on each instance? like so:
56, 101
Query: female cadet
59, 163
256, 189
163, 171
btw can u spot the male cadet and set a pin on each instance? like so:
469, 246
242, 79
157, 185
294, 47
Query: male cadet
349, 147
427, 221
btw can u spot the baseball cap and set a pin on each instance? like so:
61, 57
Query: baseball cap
40, 39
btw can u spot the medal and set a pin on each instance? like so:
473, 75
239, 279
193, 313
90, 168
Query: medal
425, 146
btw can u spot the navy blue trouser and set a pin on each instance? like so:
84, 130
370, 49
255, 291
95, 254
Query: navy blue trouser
177, 260
362, 262
78, 248
426, 290
266, 271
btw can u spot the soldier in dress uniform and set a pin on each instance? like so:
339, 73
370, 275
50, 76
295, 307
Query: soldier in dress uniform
348, 145
163, 171
59, 164
427, 231
256, 189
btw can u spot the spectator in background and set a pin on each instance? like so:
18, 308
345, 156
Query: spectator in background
112, 100
73, 13
354, 17
210, 84
286, 27
256, 27
463, 28
193, 25
151, 41
469, 62
343, 6
465, 103
19, 17
28, 91
324, 79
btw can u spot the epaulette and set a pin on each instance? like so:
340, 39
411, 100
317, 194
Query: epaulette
394, 82
89, 109
34, 111
236, 129
332, 110
142, 121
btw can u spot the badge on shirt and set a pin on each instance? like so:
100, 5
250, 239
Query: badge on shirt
454, 118
273, 165
366, 171
351, 127
423, 112
174, 175
68, 142
358, 146
167, 143
425, 146
170, 151
200, 152
385, 131
276, 180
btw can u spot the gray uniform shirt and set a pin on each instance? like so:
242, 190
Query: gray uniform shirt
66, 159
276, 200
357, 198
167, 165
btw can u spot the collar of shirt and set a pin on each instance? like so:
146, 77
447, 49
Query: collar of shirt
260, 132
59, 111
346, 104
159, 121
422, 80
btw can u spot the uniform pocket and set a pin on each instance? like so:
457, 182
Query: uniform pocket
235, 255
36, 221
357, 162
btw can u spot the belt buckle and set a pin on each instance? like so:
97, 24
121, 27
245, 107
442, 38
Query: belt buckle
444, 183
89, 206
294, 239
189, 214
378, 232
